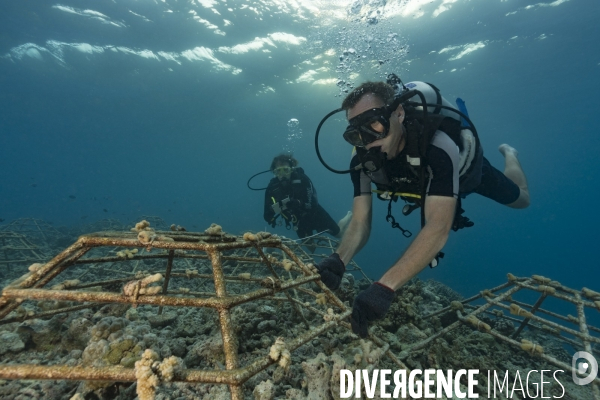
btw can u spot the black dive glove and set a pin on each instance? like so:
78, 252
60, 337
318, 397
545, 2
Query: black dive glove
370, 305
332, 271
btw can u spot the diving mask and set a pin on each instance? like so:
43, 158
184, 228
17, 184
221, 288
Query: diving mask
282, 172
368, 126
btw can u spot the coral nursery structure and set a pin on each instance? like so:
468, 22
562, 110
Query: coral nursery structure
232, 271
229, 309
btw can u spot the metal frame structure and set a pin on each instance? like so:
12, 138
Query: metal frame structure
32, 227
178, 246
288, 278
579, 334
17, 249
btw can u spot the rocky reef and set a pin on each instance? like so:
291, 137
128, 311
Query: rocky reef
119, 335
429, 326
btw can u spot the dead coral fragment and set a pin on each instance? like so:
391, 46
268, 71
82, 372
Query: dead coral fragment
546, 289
140, 287
245, 275
255, 237
190, 273
457, 305
146, 237
147, 380
127, 253
214, 230
330, 316
480, 325
278, 352
276, 348
541, 279
35, 267
264, 235
250, 237
520, 312
531, 348
150, 373
321, 299
590, 294
66, 284
287, 264
142, 226
170, 368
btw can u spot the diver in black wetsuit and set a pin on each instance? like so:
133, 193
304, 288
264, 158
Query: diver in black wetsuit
291, 199
427, 157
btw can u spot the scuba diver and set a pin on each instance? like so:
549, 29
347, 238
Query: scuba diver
291, 199
413, 145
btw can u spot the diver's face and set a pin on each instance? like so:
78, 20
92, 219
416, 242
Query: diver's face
394, 142
282, 171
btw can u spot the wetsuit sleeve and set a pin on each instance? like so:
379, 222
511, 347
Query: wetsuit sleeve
269, 213
442, 158
360, 181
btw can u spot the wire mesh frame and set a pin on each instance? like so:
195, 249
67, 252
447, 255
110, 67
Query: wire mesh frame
16, 248
31, 227
30, 288
322, 242
582, 339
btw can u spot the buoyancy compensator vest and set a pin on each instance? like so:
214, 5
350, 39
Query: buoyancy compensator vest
406, 176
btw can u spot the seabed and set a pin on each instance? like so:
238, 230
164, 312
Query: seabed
172, 314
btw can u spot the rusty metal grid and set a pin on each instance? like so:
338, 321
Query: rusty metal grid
573, 330
203, 257
32, 227
210, 254
16, 249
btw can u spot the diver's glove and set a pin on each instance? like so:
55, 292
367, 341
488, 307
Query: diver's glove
370, 305
332, 271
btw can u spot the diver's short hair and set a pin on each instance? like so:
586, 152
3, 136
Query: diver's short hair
284, 158
381, 90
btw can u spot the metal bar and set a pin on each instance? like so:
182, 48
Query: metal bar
470, 299
230, 343
167, 277
106, 297
37, 279
270, 266
419, 345
524, 323
92, 241
586, 343
549, 323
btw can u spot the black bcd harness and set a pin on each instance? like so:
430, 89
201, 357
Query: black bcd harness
411, 186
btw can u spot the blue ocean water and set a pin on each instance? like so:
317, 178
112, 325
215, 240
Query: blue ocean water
166, 108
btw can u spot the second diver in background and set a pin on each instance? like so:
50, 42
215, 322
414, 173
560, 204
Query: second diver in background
291, 199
